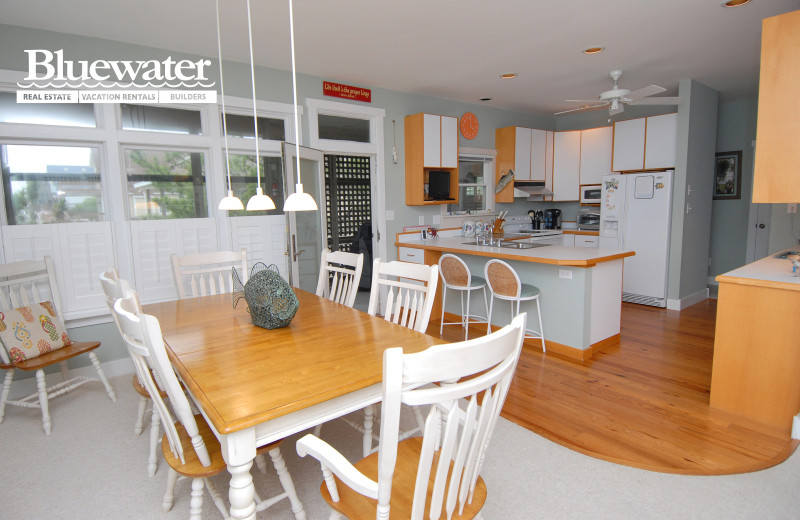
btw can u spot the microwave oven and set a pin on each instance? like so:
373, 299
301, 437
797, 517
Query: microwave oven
590, 194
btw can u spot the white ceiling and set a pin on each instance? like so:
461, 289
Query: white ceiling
453, 49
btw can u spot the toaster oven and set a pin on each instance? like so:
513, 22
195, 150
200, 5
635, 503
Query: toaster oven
588, 218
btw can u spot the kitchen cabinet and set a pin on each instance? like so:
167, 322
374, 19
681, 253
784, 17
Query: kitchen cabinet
595, 154
777, 157
527, 151
568, 239
646, 143
431, 144
407, 254
586, 241
566, 165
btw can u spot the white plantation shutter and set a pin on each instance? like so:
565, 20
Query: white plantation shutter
264, 238
80, 252
152, 242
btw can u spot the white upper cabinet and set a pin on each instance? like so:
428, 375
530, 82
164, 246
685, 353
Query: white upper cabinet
522, 154
595, 154
661, 141
440, 138
566, 165
645, 143
541, 154
629, 145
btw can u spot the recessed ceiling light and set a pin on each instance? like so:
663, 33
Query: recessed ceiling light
509, 75
593, 50
735, 3
486, 99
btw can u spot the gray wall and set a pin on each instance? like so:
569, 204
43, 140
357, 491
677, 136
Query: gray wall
692, 193
736, 129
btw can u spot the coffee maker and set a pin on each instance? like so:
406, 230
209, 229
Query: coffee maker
552, 219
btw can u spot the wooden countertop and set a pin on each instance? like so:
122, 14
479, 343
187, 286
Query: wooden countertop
767, 272
556, 255
579, 232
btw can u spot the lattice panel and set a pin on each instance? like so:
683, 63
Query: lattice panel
347, 194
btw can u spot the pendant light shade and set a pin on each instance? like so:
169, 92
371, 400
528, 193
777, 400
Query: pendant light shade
299, 200
259, 201
231, 202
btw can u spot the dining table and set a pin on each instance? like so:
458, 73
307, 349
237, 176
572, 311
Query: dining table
255, 386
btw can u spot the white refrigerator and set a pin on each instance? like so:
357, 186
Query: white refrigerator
635, 214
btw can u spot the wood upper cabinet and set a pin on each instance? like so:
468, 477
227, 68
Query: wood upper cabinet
645, 143
566, 165
527, 151
431, 143
777, 160
595, 154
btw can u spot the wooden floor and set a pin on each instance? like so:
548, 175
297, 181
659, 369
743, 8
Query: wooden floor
643, 402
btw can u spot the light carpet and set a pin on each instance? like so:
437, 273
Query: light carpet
94, 467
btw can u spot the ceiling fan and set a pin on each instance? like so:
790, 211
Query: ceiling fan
617, 97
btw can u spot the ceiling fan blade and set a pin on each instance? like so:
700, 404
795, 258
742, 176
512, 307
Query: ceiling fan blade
581, 108
657, 101
614, 111
644, 92
588, 101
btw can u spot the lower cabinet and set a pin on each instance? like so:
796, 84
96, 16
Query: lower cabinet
586, 241
409, 254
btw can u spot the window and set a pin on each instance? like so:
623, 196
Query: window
58, 114
160, 119
51, 184
242, 126
341, 128
474, 183
243, 181
165, 184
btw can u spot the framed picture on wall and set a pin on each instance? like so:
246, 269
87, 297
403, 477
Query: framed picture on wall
728, 175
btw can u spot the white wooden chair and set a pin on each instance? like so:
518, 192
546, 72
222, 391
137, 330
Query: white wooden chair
23, 284
339, 275
438, 475
189, 445
409, 291
201, 274
114, 288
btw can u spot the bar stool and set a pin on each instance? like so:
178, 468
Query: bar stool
504, 284
456, 276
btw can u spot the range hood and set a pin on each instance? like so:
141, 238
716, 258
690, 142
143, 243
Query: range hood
527, 189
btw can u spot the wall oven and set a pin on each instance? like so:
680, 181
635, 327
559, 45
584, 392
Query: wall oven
590, 194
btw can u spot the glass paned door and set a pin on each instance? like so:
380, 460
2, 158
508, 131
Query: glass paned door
307, 230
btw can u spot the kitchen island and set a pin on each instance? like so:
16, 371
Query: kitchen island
581, 288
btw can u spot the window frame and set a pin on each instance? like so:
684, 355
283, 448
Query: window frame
489, 157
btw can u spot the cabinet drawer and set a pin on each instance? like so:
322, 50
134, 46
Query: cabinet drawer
586, 241
409, 254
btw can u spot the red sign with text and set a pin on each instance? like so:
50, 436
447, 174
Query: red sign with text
346, 91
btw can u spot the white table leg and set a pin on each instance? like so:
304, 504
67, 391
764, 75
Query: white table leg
239, 450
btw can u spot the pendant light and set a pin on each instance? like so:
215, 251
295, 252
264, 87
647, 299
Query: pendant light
297, 201
259, 201
231, 202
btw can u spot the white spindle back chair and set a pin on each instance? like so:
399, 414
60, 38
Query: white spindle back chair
410, 290
438, 475
202, 274
339, 275
191, 448
114, 288
22, 284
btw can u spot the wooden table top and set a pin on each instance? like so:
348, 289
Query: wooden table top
243, 375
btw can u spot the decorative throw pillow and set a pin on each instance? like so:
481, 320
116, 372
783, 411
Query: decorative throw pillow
29, 332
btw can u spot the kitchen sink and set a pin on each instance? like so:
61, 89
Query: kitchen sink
520, 245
